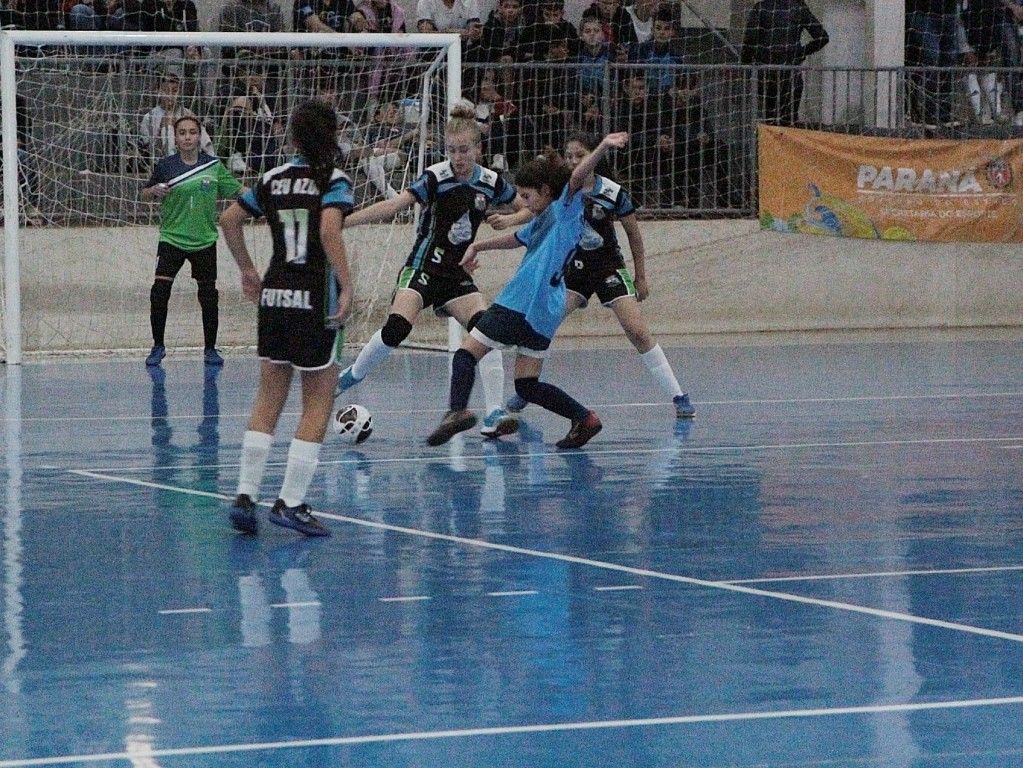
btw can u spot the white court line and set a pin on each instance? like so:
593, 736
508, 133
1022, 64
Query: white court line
462, 733
622, 588
879, 574
309, 604
604, 406
513, 593
172, 611
406, 599
590, 451
642, 572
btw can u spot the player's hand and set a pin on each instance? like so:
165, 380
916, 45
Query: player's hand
160, 191
499, 221
344, 309
642, 289
471, 260
616, 140
252, 284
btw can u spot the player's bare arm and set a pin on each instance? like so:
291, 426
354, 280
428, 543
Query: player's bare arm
385, 210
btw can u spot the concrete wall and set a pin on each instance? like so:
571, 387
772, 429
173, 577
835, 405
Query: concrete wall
89, 288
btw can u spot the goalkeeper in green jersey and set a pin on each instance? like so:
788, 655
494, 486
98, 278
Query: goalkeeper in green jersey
187, 185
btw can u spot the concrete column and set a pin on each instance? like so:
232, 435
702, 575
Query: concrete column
886, 47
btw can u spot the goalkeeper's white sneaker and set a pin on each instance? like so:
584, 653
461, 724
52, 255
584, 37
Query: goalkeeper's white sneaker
499, 422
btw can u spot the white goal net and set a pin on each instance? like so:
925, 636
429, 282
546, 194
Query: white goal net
94, 113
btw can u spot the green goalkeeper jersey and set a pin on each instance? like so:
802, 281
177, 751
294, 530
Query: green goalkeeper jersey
189, 212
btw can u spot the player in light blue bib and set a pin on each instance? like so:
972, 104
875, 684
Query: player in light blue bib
528, 310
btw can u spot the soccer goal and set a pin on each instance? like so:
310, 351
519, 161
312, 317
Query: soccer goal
94, 111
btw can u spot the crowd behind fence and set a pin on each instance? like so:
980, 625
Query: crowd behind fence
91, 126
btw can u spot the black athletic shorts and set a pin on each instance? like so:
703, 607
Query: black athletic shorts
610, 283
297, 337
500, 327
170, 259
437, 292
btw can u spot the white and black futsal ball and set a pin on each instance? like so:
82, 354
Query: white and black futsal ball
353, 424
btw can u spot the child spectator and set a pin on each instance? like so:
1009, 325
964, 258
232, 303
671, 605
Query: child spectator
594, 55
619, 32
450, 15
663, 48
157, 128
503, 34
552, 26
642, 13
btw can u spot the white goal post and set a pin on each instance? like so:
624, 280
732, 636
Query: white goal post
445, 69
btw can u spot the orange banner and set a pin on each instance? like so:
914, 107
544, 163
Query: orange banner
891, 189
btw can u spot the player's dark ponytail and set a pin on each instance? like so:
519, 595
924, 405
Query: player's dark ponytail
549, 169
314, 134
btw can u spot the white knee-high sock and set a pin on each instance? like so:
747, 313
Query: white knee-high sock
660, 369
255, 449
973, 89
491, 368
370, 356
303, 457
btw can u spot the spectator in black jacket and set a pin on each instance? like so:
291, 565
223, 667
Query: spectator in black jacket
931, 41
552, 26
774, 35
503, 34
619, 32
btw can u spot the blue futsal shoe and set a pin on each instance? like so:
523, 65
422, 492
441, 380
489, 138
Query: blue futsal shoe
516, 403
346, 382
499, 422
243, 515
683, 408
156, 355
212, 357
297, 518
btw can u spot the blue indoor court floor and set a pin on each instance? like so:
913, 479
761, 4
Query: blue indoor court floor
824, 568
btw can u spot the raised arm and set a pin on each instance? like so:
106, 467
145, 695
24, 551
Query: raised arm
589, 163
385, 210
231, 221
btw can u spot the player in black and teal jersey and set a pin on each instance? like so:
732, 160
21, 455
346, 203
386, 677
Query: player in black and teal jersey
304, 298
188, 185
598, 268
456, 195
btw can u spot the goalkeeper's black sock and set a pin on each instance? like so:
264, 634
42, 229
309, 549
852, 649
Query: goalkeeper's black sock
208, 303
159, 297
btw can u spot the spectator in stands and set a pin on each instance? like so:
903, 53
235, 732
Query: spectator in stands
774, 35
619, 31
12, 14
502, 34
552, 26
251, 16
384, 148
453, 16
594, 55
156, 131
195, 64
991, 31
662, 49
640, 115
691, 157
84, 15
386, 83
502, 122
322, 15
931, 27
642, 13
250, 136
40, 14
555, 93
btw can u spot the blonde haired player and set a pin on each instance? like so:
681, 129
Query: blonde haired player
456, 195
